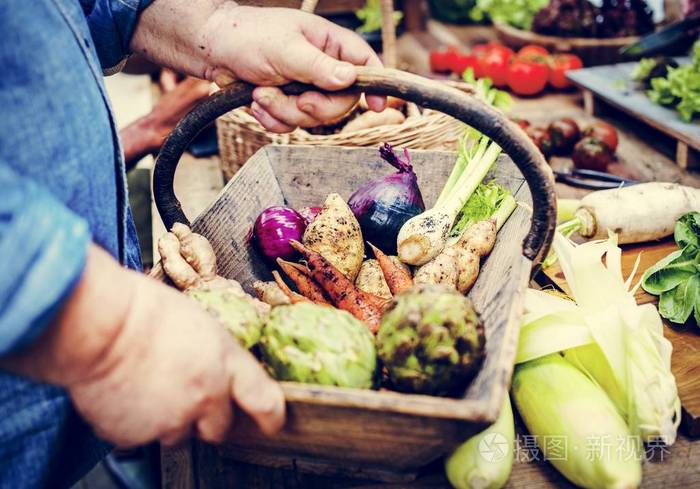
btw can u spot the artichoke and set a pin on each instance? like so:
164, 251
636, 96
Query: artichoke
430, 340
316, 344
236, 313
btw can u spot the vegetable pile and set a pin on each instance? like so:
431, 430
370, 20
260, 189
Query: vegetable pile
526, 72
591, 149
671, 85
676, 278
322, 328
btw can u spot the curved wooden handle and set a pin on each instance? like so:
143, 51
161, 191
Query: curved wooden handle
380, 81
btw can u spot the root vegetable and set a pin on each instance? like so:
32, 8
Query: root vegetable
175, 266
468, 266
365, 307
371, 279
440, 270
305, 284
197, 250
370, 119
294, 298
335, 234
270, 293
397, 277
479, 238
636, 213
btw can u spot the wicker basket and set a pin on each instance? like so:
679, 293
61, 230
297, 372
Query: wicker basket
592, 51
241, 135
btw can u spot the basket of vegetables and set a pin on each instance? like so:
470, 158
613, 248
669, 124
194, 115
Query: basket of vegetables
389, 290
240, 135
594, 33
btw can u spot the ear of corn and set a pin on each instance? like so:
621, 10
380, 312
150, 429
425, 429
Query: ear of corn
558, 401
485, 460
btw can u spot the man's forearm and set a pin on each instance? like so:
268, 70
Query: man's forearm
76, 345
173, 33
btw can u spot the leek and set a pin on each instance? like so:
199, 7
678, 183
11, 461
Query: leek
424, 236
576, 426
607, 336
485, 460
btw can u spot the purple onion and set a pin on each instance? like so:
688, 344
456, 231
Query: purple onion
273, 229
383, 205
309, 213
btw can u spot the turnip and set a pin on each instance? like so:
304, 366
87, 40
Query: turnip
636, 213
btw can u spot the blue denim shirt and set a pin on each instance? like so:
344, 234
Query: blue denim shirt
62, 185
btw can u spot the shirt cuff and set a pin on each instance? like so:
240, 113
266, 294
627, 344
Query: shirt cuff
112, 24
43, 247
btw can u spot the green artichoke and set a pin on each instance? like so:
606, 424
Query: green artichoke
430, 340
316, 344
237, 314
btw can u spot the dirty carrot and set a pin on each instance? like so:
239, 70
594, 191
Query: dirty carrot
305, 284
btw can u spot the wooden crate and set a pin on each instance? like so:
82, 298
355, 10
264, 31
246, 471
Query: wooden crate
364, 433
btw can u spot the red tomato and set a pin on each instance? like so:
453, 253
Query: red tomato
532, 49
460, 62
480, 49
604, 132
560, 64
526, 77
494, 65
439, 61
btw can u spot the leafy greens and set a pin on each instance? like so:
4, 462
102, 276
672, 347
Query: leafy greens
676, 278
680, 88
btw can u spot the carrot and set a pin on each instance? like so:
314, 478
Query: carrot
293, 296
365, 307
397, 278
305, 284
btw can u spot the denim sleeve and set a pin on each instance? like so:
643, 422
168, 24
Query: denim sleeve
112, 23
42, 255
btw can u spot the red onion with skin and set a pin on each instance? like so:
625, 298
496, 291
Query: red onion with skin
273, 229
309, 213
383, 205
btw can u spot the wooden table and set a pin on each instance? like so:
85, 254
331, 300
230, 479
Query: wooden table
198, 183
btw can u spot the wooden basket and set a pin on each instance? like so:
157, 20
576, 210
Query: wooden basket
240, 135
592, 51
365, 433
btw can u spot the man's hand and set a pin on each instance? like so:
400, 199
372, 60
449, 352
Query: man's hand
143, 362
224, 42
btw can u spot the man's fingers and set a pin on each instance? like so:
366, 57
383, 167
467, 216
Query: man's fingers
326, 108
306, 63
216, 421
282, 107
267, 121
256, 393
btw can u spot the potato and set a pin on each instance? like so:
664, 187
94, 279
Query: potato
479, 237
369, 119
336, 235
371, 280
468, 264
440, 270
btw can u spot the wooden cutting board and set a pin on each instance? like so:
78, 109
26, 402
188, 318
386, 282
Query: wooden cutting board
685, 361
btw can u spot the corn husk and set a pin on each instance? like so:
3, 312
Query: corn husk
594, 448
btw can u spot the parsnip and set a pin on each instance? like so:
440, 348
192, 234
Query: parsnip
270, 293
371, 280
636, 213
335, 234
